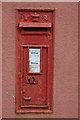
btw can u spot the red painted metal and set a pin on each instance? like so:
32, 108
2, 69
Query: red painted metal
34, 90
42, 25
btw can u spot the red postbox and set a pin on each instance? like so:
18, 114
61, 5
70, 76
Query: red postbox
35, 56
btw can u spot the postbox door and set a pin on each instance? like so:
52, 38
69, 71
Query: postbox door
35, 66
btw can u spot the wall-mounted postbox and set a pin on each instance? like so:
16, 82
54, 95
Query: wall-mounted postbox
35, 46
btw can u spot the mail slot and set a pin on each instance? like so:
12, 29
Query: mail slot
34, 60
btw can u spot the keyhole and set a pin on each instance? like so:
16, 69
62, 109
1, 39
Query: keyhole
29, 80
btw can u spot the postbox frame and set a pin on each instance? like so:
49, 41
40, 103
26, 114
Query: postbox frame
34, 109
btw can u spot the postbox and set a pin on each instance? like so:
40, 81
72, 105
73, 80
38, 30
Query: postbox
34, 60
